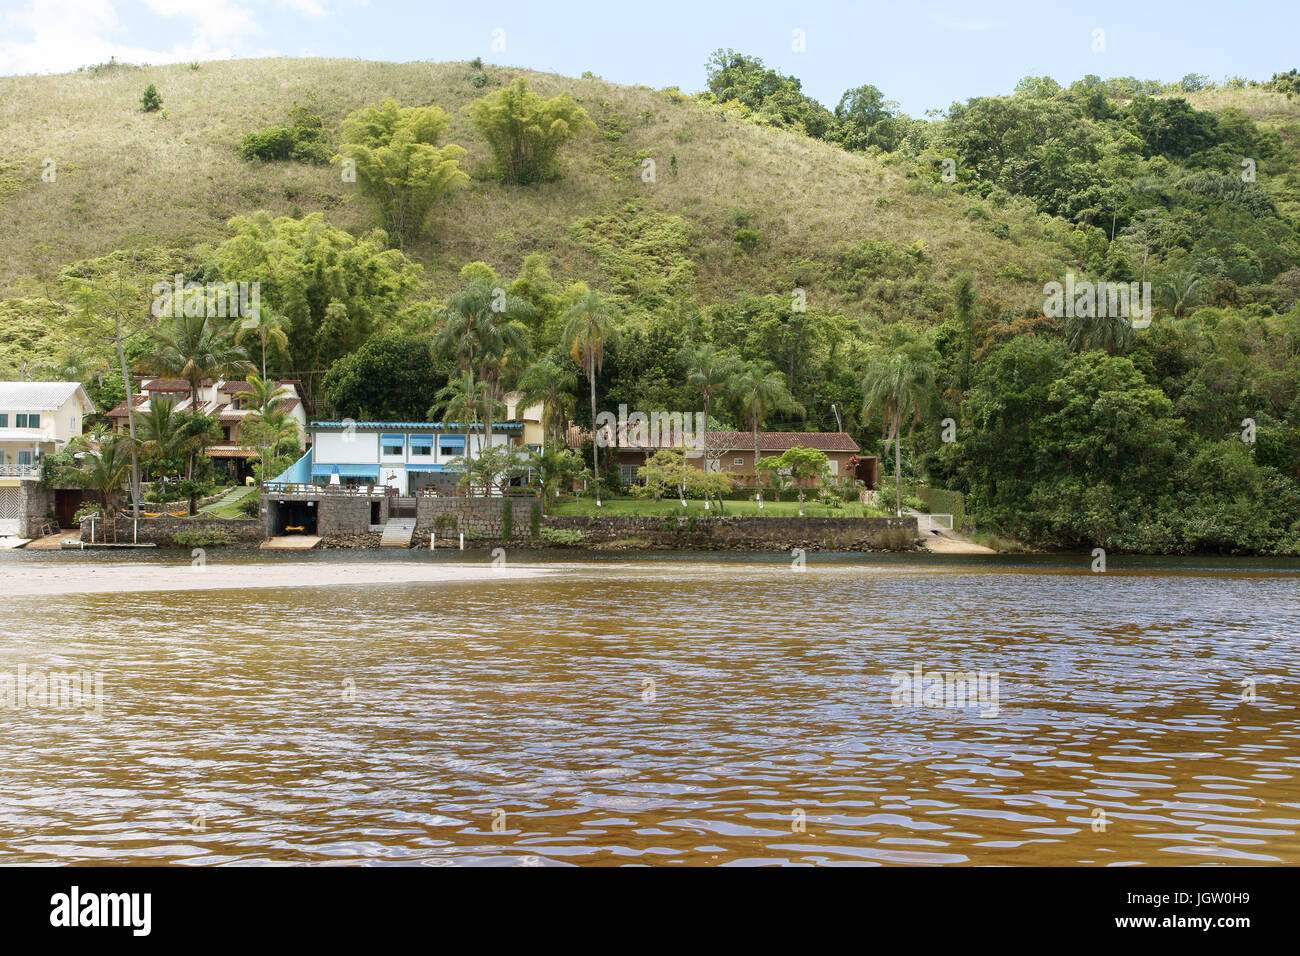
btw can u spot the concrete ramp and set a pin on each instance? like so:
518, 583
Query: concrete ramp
398, 533
291, 542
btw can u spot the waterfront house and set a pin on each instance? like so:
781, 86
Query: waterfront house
733, 452
227, 401
401, 456
36, 419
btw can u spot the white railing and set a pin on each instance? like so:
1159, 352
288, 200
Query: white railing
20, 471
930, 522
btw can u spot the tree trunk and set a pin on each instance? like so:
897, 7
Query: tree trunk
758, 481
898, 470
130, 422
595, 464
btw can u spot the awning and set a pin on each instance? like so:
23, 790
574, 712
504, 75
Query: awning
421, 441
451, 441
346, 471
393, 439
428, 468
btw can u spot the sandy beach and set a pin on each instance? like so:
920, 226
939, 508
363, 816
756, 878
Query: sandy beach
50, 580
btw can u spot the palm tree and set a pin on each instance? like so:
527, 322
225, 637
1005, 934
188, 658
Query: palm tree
105, 472
269, 328
161, 436
1114, 333
195, 348
479, 328
265, 394
1179, 292
462, 399
708, 371
899, 387
589, 328
546, 382
756, 390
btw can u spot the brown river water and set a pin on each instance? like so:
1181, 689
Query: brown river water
665, 710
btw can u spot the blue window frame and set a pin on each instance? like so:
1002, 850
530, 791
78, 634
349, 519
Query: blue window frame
451, 446
421, 446
393, 444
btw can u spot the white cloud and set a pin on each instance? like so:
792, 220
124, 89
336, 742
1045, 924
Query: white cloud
51, 36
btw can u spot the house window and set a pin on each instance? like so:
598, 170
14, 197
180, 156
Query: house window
4, 420
2, 456
451, 446
628, 473
393, 445
737, 461
32, 420
421, 451
24, 458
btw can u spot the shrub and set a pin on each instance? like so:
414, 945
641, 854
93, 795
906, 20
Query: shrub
303, 140
202, 538
87, 508
150, 100
748, 239
250, 506
563, 536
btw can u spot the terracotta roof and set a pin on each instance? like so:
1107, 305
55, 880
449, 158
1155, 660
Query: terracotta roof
164, 385
780, 441
288, 405
119, 411
230, 451
230, 388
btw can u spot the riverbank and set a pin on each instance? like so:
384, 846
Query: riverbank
44, 580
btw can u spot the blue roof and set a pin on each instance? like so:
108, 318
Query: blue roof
416, 426
346, 471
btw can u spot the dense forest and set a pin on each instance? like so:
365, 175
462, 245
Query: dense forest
437, 243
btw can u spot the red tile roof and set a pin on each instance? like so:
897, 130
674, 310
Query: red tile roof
780, 441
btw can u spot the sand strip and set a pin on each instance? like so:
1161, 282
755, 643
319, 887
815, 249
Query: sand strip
125, 578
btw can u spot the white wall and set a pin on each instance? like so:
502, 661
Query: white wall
338, 448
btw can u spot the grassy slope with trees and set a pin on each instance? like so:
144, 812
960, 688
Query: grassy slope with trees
1069, 434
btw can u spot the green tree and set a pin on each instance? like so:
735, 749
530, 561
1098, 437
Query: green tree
590, 327
333, 288
865, 118
526, 132
392, 377
547, 382
899, 387
105, 471
756, 391
269, 328
195, 348
709, 371
399, 164
150, 101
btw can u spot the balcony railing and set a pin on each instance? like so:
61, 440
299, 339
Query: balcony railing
299, 488
20, 471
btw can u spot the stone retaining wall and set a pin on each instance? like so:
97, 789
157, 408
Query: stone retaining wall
162, 531
476, 517
745, 533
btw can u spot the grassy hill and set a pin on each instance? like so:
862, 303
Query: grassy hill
177, 178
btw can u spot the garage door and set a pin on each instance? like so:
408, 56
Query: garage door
11, 503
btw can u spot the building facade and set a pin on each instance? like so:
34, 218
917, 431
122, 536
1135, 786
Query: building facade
36, 419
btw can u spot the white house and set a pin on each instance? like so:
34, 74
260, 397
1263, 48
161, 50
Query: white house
403, 456
228, 402
36, 419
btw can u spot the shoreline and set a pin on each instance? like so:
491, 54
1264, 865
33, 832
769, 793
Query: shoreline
42, 580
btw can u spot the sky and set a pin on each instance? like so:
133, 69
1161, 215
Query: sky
925, 55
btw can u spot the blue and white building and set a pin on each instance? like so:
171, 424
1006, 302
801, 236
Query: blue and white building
402, 456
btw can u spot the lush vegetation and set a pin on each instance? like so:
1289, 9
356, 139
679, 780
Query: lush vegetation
748, 251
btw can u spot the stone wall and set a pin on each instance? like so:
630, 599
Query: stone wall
347, 514
474, 517
162, 531
745, 533
38, 503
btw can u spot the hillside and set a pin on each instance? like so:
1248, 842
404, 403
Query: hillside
178, 178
